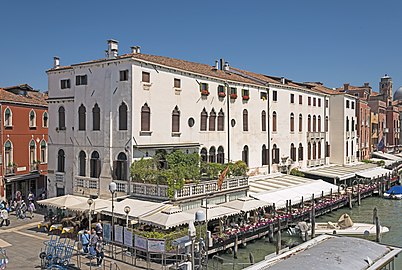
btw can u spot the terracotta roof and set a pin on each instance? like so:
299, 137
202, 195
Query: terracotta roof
32, 97
319, 87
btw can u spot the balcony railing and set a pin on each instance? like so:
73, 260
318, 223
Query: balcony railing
315, 135
189, 190
315, 162
86, 182
10, 170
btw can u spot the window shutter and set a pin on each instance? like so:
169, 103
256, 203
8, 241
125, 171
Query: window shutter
98, 167
114, 170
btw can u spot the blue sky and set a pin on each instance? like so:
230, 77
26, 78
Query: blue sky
329, 41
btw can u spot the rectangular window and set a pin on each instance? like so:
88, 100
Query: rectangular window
64, 84
292, 98
177, 83
347, 104
81, 80
124, 75
203, 86
263, 95
353, 105
245, 93
314, 102
300, 99
309, 101
274, 95
233, 90
146, 77
319, 102
326, 103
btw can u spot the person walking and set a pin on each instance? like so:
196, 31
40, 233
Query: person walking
31, 209
4, 217
85, 241
92, 243
99, 252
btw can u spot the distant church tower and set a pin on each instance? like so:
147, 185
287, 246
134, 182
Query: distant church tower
386, 88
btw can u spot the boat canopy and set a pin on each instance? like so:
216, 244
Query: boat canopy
395, 190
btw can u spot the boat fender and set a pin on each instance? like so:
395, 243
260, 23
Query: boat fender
334, 232
366, 233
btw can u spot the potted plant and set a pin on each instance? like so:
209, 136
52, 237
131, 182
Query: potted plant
233, 96
204, 92
222, 94
246, 97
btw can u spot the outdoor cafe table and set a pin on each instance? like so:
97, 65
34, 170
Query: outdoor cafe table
68, 230
56, 227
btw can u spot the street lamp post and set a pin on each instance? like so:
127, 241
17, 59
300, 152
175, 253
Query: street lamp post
127, 210
199, 218
90, 202
191, 234
112, 189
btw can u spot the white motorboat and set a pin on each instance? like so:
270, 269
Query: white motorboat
394, 193
344, 226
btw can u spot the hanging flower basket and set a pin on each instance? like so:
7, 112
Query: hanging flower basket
221, 94
233, 96
246, 97
204, 92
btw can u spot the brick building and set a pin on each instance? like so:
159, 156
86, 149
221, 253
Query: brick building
24, 139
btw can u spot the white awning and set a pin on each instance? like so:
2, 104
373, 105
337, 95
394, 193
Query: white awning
138, 208
215, 211
64, 202
374, 173
170, 217
338, 171
295, 193
245, 204
97, 205
386, 156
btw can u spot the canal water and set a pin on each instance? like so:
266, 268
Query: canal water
389, 213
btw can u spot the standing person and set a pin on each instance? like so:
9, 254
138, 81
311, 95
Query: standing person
85, 241
4, 216
93, 240
99, 227
31, 209
31, 196
99, 251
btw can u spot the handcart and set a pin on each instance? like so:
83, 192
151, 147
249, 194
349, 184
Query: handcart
57, 253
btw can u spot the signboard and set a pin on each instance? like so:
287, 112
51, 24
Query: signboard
140, 242
21, 169
128, 237
107, 234
118, 233
59, 177
156, 245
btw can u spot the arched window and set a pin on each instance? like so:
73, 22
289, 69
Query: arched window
62, 118
314, 124
95, 165
263, 121
275, 154
145, 118
308, 151
245, 154
309, 123
347, 123
43, 151
319, 149
274, 120
293, 152
300, 150
96, 117
245, 120
45, 120
326, 123
264, 155
204, 155
8, 118
319, 123
32, 119
60, 160
300, 123
204, 119
292, 122
120, 167
8, 157
123, 117
82, 117
221, 121
221, 155
212, 120
32, 154
176, 120
314, 150
82, 162
212, 155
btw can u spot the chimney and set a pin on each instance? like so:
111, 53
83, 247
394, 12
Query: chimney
135, 49
345, 86
221, 63
283, 80
226, 66
112, 49
216, 67
366, 84
56, 62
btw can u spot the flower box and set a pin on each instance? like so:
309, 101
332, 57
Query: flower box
204, 92
246, 97
221, 94
233, 96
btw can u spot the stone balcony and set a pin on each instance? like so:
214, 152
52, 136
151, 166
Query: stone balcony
315, 136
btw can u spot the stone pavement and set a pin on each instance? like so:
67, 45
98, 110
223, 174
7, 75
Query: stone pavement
23, 243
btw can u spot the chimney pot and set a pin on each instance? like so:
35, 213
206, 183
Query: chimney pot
345, 86
216, 67
366, 84
113, 48
283, 80
226, 67
56, 62
135, 49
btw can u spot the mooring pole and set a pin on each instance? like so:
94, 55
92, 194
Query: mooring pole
278, 238
313, 218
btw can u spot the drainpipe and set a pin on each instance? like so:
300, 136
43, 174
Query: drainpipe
269, 133
228, 116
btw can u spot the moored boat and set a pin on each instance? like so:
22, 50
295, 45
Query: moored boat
394, 192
